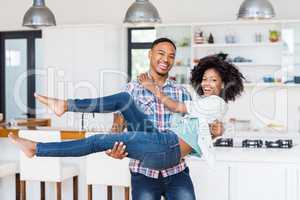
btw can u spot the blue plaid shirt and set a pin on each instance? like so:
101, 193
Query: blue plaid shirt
160, 116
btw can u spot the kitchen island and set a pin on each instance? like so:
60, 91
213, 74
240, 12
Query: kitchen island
250, 173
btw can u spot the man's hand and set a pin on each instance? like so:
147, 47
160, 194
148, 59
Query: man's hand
58, 106
216, 128
145, 81
118, 151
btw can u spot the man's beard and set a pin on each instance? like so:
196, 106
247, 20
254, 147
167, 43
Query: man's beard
163, 75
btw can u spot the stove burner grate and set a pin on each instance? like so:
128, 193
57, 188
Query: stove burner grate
279, 144
224, 142
252, 143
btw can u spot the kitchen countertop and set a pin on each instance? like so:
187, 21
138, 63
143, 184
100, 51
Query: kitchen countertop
259, 155
65, 133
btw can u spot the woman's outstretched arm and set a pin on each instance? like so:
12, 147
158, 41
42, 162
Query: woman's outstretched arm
171, 104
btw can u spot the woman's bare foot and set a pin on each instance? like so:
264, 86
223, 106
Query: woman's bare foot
58, 106
27, 146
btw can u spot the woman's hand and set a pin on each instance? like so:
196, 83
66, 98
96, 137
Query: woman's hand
216, 128
145, 81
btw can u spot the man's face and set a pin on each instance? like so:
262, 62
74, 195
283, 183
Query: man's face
162, 58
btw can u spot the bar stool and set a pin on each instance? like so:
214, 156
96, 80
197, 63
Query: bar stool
104, 170
8, 168
45, 169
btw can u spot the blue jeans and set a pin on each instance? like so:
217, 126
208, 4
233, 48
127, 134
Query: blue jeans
155, 150
175, 187
135, 118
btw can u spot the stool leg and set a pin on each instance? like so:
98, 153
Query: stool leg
126, 193
109, 192
58, 190
23, 190
18, 190
90, 192
42, 186
75, 188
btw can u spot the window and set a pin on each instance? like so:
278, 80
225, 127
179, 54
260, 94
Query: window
17, 79
139, 43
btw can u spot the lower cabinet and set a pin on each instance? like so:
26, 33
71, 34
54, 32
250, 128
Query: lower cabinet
209, 183
245, 181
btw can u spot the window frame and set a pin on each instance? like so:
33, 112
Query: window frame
31, 37
135, 45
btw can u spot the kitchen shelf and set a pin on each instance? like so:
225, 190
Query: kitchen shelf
250, 64
262, 44
252, 85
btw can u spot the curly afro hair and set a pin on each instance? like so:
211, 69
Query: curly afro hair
230, 75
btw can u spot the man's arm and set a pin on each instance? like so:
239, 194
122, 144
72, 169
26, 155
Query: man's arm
119, 123
118, 150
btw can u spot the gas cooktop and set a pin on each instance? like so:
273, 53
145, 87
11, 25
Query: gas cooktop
254, 143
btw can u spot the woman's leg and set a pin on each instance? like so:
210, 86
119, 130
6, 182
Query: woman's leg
136, 119
154, 150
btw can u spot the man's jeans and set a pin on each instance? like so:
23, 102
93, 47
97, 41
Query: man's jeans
175, 187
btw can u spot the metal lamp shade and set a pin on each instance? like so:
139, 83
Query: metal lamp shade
38, 15
142, 12
256, 9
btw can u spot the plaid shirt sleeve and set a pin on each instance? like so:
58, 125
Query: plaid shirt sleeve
129, 87
185, 94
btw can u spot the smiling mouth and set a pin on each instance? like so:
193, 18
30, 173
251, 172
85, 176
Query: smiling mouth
163, 66
207, 90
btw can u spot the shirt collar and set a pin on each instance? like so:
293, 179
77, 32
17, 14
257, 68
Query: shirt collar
168, 82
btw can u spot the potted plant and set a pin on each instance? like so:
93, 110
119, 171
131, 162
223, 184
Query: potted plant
274, 35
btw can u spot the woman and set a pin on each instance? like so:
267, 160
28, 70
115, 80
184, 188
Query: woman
215, 81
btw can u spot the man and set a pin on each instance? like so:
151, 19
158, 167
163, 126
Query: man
148, 184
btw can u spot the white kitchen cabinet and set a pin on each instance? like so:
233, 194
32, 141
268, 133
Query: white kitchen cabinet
245, 180
258, 181
209, 183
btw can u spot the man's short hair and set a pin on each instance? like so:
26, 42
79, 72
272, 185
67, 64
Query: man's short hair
160, 40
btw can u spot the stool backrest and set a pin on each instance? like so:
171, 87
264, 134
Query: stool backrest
8, 168
40, 168
104, 170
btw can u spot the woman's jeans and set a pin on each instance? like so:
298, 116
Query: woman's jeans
135, 118
155, 150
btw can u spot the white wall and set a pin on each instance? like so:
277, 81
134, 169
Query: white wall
113, 11
81, 61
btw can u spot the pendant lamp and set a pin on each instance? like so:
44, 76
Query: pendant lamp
142, 12
39, 15
256, 9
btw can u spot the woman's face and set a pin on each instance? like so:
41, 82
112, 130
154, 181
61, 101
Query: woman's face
211, 83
